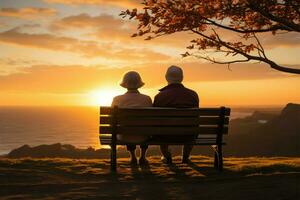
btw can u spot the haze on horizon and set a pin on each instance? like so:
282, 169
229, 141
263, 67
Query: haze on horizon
73, 52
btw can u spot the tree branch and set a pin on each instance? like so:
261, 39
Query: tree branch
220, 62
284, 22
260, 47
272, 28
248, 56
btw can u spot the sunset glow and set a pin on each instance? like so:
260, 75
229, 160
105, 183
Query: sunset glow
75, 53
102, 97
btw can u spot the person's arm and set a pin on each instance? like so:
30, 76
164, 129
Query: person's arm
114, 102
196, 100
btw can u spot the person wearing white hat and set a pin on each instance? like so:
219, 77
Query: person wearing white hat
177, 96
132, 81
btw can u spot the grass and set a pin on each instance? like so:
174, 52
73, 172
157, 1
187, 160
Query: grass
59, 178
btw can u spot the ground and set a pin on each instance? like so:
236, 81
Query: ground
242, 178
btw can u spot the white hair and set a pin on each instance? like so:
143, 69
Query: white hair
174, 74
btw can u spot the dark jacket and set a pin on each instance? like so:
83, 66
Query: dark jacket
177, 96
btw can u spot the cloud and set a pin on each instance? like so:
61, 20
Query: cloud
110, 28
79, 78
86, 21
10, 65
101, 27
121, 3
46, 41
3, 24
27, 13
82, 47
280, 40
17, 62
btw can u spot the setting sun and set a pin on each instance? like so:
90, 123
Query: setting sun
103, 97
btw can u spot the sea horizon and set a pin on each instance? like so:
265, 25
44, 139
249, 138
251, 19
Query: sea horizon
75, 125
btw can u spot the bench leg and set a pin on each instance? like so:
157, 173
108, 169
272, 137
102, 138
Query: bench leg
220, 158
216, 162
113, 158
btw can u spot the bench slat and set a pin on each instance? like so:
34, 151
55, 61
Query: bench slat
169, 143
196, 142
108, 137
152, 111
162, 121
145, 130
105, 110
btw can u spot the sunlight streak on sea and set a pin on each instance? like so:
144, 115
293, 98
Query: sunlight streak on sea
47, 125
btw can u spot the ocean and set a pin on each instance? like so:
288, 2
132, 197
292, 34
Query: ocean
47, 125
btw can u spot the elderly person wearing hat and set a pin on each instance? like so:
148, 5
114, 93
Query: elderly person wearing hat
177, 96
133, 98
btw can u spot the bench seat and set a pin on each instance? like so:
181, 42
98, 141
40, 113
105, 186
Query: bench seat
208, 125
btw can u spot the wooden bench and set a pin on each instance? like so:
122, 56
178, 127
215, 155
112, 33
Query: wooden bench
207, 124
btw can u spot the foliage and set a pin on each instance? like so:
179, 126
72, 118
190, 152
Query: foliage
210, 19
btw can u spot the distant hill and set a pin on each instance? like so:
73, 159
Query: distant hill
289, 120
266, 134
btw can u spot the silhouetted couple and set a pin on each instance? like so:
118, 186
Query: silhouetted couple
174, 95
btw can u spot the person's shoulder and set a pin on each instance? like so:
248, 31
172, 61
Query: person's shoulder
145, 100
159, 94
118, 97
146, 97
191, 91
116, 100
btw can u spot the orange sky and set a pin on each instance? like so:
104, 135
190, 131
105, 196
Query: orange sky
74, 52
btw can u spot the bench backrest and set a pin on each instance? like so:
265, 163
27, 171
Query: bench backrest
211, 122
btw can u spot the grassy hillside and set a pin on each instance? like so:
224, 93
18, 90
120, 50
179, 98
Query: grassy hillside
243, 178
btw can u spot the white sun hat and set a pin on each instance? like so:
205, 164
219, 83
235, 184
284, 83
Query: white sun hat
132, 80
174, 74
